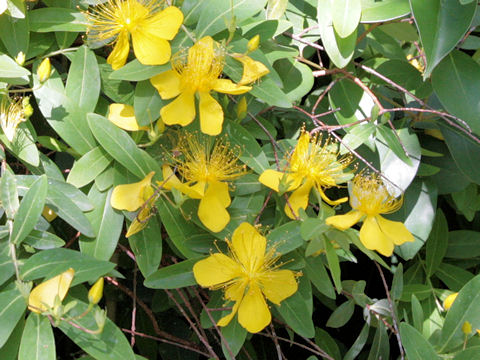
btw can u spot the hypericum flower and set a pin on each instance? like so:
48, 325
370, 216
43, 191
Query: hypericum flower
448, 302
311, 164
123, 116
248, 275
196, 72
11, 115
42, 297
150, 28
369, 197
205, 170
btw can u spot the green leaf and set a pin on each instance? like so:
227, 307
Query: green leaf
121, 146
251, 153
110, 344
9, 350
285, 238
9, 195
358, 344
43, 240
173, 276
83, 82
297, 78
88, 167
57, 19
471, 353
215, 13
135, 71
234, 335
437, 243
296, 313
453, 276
397, 283
341, 315
380, 348
6, 268
18, 36
416, 346
30, 209
417, 313
269, 91
147, 103
107, 223
439, 30
333, 265
48, 263
10, 69
346, 16
276, 8
463, 244
353, 102
315, 271
147, 247
12, 307
374, 11
37, 339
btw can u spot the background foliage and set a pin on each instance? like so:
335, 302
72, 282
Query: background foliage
396, 82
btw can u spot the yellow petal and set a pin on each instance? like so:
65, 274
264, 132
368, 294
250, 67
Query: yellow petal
249, 247
448, 302
164, 24
253, 313
212, 209
201, 55
373, 238
42, 297
278, 285
123, 116
298, 199
252, 70
224, 321
343, 222
180, 111
236, 290
149, 48
118, 57
395, 231
211, 115
131, 196
227, 86
167, 84
272, 179
215, 270
171, 181
327, 200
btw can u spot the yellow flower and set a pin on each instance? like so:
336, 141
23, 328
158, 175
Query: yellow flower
150, 28
44, 70
205, 171
196, 72
311, 165
42, 297
131, 197
448, 302
369, 198
123, 116
248, 276
252, 70
11, 115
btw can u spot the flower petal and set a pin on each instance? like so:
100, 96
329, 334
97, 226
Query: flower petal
149, 48
180, 111
171, 181
212, 211
164, 24
118, 57
298, 199
167, 84
373, 237
215, 270
201, 55
131, 196
227, 86
211, 115
343, 222
272, 179
224, 321
278, 285
395, 231
249, 247
252, 70
327, 200
42, 297
123, 116
253, 313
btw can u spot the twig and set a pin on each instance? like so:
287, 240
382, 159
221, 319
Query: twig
134, 307
277, 344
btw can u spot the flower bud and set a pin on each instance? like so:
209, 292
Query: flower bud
96, 292
253, 43
100, 318
242, 108
27, 108
448, 302
44, 70
467, 328
20, 58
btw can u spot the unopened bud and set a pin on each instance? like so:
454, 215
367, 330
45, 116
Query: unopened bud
100, 318
20, 58
96, 292
467, 328
253, 43
448, 302
242, 108
27, 108
44, 70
